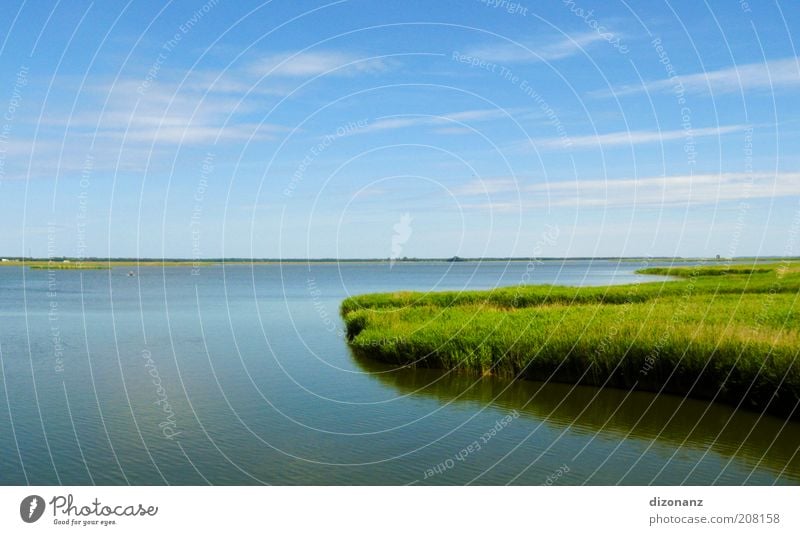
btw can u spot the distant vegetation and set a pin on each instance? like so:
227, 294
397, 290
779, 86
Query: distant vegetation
105, 263
121, 262
62, 265
90, 264
728, 333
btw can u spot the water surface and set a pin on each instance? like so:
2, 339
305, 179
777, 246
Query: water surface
240, 374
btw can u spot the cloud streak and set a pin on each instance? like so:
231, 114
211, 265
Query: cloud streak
486, 187
306, 64
532, 53
631, 137
671, 190
774, 74
447, 119
677, 190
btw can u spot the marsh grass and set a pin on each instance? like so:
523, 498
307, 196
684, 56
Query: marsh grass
728, 333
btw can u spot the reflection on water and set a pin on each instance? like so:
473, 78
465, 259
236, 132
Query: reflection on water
684, 429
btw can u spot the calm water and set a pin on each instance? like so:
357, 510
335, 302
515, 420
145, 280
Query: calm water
240, 375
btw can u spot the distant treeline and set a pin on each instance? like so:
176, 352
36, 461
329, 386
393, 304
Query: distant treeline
129, 260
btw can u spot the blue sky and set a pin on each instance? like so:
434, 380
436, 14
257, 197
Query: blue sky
415, 128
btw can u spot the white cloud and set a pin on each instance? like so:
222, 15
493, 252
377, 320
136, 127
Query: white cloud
670, 190
487, 187
679, 190
530, 53
198, 133
770, 75
476, 115
393, 123
631, 137
452, 130
496, 206
304, 64
126, 126
448, 119
140, 120
164, 113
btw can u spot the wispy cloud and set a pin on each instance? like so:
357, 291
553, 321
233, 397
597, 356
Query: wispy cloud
476, 115
304, 64
168, 114
532, 52
451, 120
487, 186
769, 75
452, 130
142, 118
392, 123
630, 137
127, 126
670, 190
679, 190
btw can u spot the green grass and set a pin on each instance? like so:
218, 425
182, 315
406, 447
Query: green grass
728, 333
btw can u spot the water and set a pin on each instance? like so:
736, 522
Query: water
240, 375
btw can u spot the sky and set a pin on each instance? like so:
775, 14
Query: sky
384, 129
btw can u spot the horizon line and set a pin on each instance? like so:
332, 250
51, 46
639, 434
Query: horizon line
240, 259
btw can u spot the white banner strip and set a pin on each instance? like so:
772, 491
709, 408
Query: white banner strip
401, 510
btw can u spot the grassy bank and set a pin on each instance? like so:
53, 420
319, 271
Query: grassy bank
728, 333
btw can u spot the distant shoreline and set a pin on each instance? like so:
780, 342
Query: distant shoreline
70, 263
